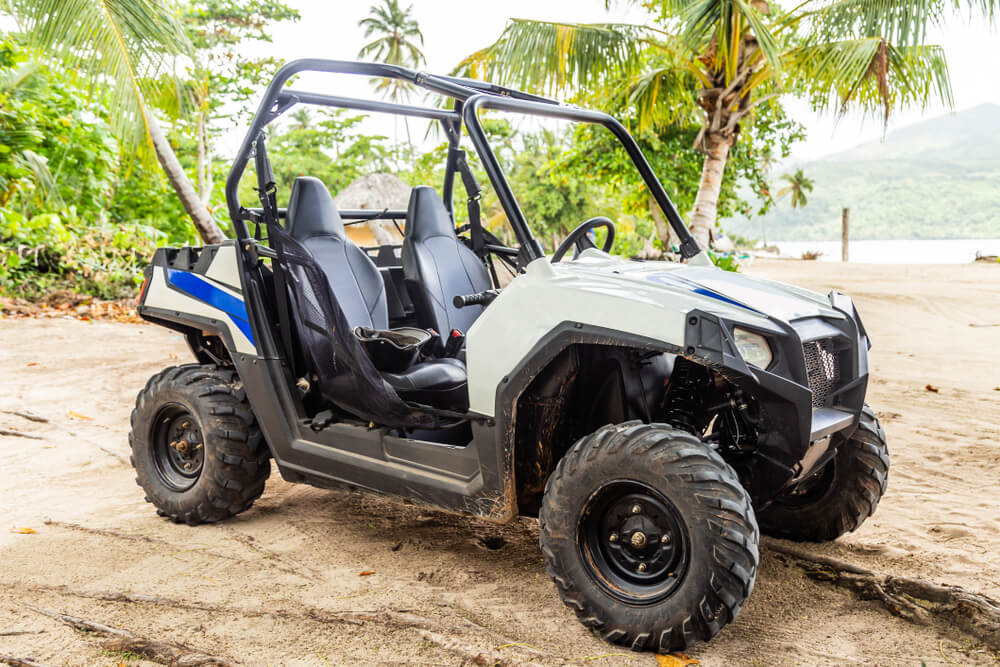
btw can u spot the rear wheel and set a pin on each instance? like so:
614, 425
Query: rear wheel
838, 498
649, 536
196, 448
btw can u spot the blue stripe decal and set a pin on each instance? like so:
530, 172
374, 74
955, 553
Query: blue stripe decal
672, 280
203, 290
243, 326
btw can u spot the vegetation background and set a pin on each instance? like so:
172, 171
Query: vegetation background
112, 113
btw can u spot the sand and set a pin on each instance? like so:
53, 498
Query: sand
264, 578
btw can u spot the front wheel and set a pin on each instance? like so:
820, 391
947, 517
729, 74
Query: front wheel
649, 536
196, 448
838, 498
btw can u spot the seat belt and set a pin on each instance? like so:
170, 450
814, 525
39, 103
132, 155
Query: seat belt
267, 191
475, 194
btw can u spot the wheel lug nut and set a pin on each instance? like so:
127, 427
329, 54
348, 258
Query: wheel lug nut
636, 509
642, 567
613, 537
665, 539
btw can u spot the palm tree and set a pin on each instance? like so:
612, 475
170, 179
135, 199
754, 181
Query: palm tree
798, 185
127, 46
396, 36
715, 61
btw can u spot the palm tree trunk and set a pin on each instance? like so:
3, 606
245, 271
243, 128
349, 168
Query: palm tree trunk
204, 161
706, 204
203, 222
664, 231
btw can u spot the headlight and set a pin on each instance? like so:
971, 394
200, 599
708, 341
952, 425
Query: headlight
753, 348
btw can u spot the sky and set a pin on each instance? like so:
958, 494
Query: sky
453, 29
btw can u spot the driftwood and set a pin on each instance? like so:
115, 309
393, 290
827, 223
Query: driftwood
30, 416
173, 655
19, 662
390, 618
439, 632
19, 434
911, 598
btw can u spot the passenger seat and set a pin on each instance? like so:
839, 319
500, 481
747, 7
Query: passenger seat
313, 220
438, 266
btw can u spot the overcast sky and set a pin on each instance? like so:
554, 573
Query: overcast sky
452, 30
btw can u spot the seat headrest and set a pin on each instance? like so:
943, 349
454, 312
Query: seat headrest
311, 211
426, 215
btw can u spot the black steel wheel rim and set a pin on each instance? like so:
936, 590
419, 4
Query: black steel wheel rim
178, 447
633, 542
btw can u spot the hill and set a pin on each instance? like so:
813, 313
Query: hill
936, 179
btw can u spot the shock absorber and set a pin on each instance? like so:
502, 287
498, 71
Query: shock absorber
683, 401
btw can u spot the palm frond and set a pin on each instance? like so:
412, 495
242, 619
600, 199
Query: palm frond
123, 44
45, 184
901, 22
660, 95
550, 57
718, 28
870, 74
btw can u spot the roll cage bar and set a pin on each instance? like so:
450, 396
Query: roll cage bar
469, 97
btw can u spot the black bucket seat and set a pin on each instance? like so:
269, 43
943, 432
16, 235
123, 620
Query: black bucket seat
438, 266
313, 220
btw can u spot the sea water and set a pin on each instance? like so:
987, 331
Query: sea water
951, 251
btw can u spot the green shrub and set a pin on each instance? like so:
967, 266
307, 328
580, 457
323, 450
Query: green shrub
52, 251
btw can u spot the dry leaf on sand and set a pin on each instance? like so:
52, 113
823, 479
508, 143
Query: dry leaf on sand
675, 660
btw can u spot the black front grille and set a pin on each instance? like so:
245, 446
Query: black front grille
823, 369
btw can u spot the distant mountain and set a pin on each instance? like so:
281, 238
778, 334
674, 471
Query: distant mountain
936, 179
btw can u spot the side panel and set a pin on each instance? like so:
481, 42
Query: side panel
183, 292
534, 304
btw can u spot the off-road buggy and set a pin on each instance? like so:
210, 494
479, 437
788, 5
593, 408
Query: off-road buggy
651, 414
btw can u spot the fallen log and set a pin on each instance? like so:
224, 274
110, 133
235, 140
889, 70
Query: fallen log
914, 599
173, 655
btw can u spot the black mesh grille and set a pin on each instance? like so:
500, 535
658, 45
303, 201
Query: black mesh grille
823, 369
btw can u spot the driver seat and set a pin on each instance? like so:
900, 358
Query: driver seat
313, 221
438, 266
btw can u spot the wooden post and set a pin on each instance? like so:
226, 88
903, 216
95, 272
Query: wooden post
845, 219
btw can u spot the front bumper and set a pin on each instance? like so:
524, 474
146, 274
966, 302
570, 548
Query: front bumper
812, 391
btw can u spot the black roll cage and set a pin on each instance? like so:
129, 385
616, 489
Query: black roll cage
469, 97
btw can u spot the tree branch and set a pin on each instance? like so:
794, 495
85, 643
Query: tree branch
173, 655
917, 600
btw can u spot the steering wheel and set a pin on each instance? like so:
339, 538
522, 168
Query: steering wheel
579, 238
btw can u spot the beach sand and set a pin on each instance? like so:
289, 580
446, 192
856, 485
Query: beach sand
256, 588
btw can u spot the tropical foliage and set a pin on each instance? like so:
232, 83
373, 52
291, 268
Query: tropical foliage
798, 185
112, 111
717, 62
58, 169
397, 41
